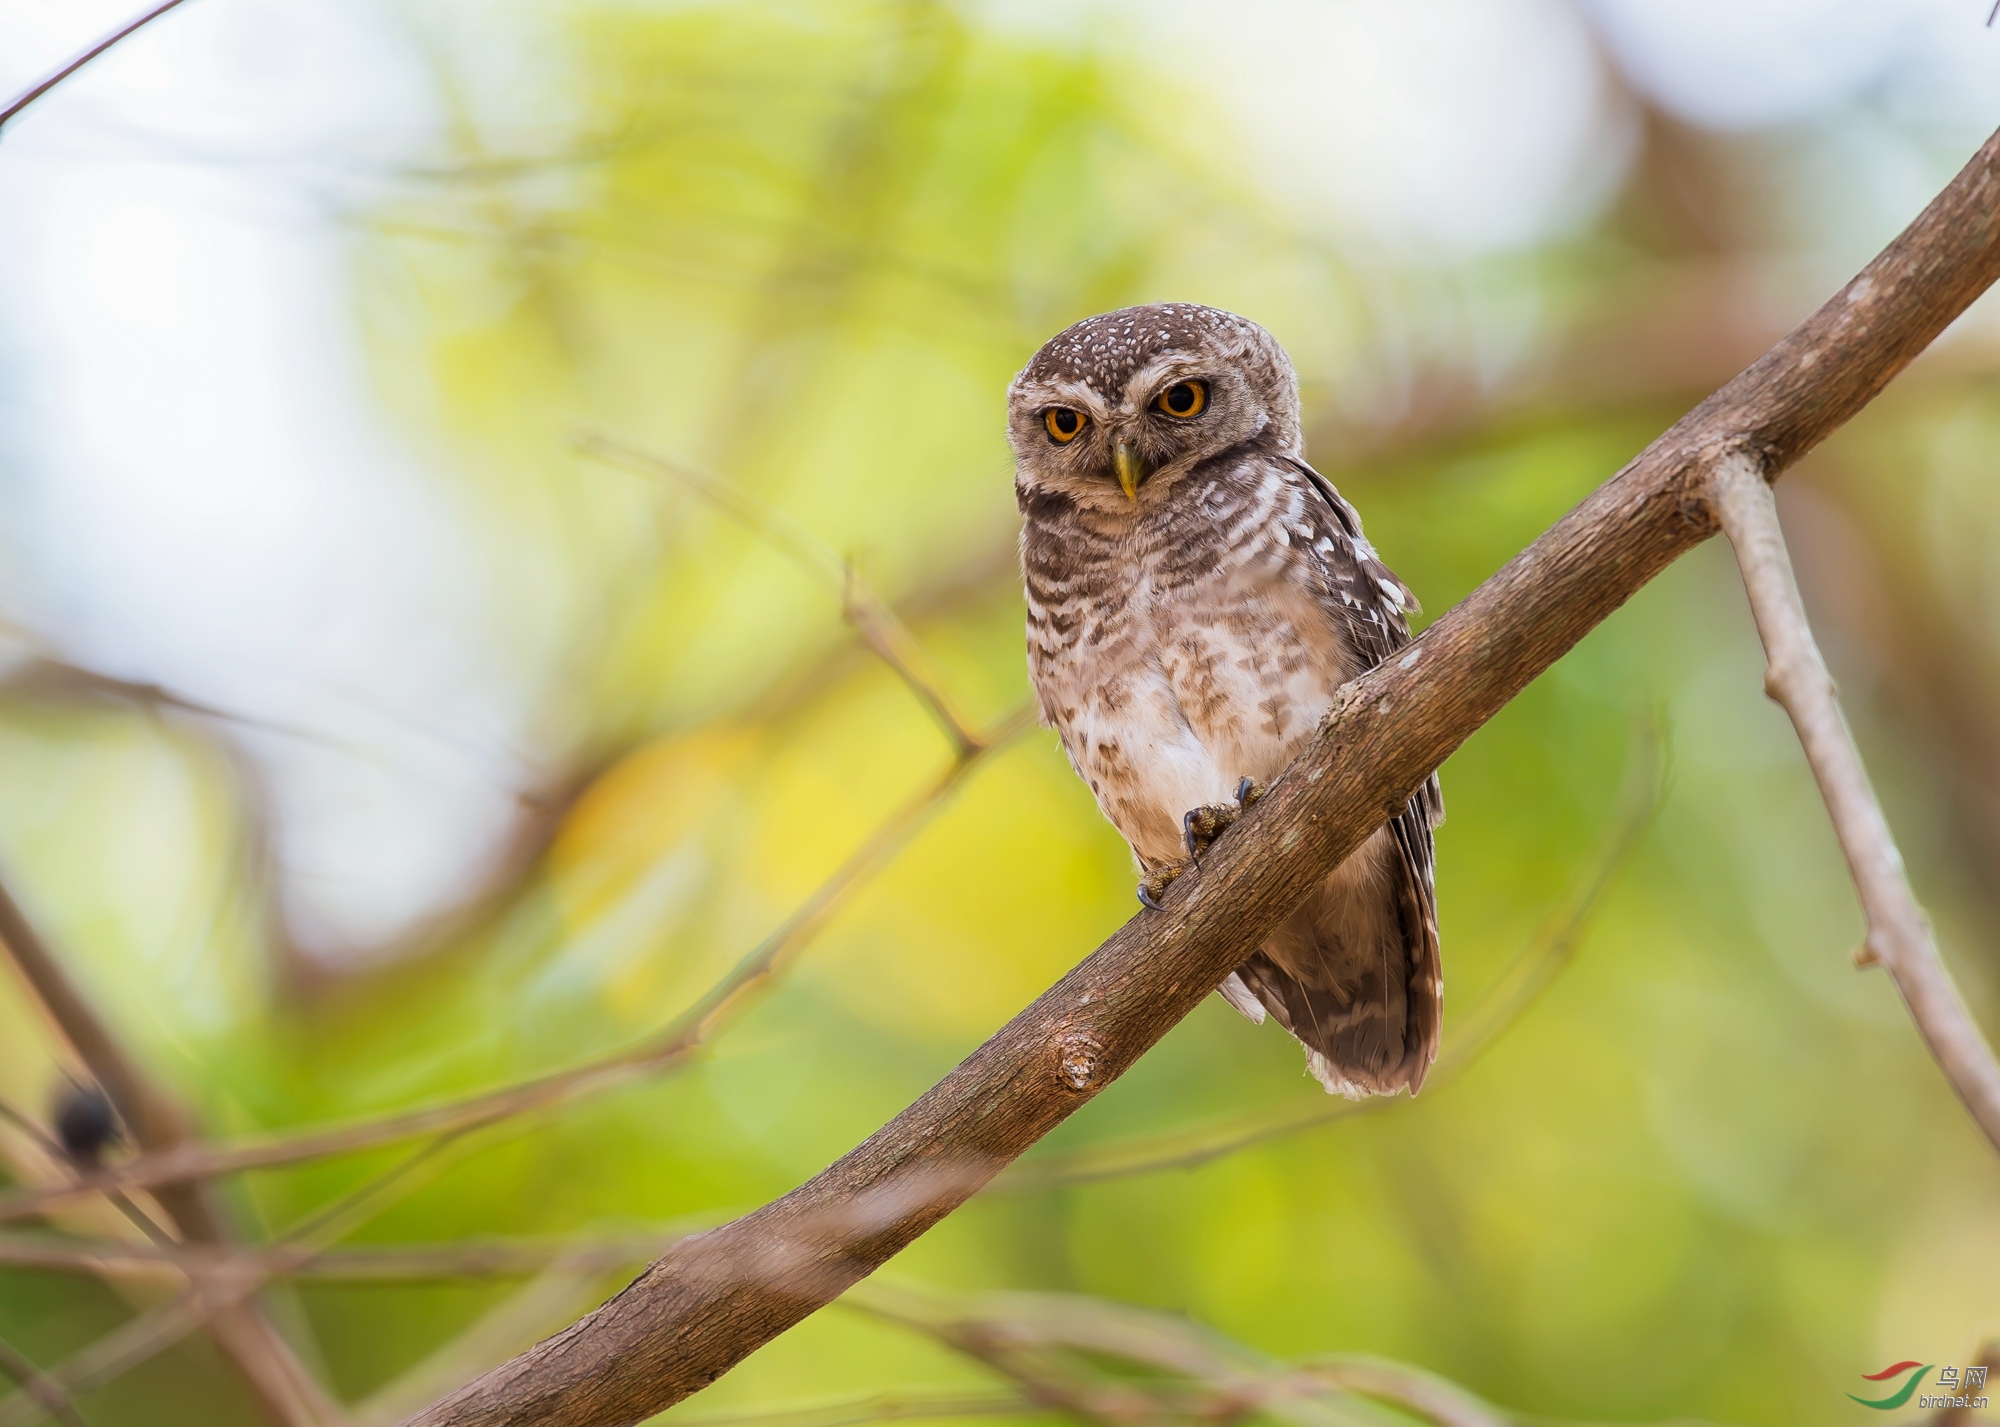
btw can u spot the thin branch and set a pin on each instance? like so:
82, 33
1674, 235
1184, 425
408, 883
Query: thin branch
220, 1285
56, 1156
565, 1284
43, 1390
1426, 1394
1052, 1345
36, 91
918, 1404
110, 1356
711, 1301
673, 1045
29, 1126
402, 1263
1899, 934
280, 1383
221, 1282
1513, 993
787, 536
886, 636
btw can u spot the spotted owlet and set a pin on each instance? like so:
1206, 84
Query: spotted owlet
1196, 593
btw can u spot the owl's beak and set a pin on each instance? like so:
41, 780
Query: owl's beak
1132, 468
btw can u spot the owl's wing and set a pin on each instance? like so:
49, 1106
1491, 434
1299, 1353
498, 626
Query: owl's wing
1362, 596
1371, 606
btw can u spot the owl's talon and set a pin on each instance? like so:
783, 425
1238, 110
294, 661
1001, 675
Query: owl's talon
1202, 826
1248, 791
1156, 882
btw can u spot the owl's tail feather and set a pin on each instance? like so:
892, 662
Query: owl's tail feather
1354, 973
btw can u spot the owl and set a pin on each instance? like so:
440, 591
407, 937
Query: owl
1196, 593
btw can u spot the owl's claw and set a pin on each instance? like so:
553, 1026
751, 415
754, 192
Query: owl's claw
1202, 826
1199, 829
1156, 882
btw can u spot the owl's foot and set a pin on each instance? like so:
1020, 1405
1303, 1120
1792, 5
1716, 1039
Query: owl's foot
1155, 883
1202, 826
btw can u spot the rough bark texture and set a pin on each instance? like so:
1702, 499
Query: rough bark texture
714, 1298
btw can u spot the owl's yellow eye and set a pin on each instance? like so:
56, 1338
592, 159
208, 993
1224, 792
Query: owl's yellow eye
1064, 425
1184, 399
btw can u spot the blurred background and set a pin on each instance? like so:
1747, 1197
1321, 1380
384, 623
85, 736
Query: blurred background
462, 463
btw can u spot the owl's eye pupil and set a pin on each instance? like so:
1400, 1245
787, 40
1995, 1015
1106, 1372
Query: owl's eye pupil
1184, 399
1063, 424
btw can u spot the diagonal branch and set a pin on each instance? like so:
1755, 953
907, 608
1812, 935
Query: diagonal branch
1511, 996
1055, 1346
901, 1405
886, 636
37, 90
1899, 934
673, 1045
38, 1387
282, 1386
382, 1263
710, 1301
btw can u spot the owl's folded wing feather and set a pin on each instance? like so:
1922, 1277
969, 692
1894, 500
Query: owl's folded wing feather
1370, 606
1363, 597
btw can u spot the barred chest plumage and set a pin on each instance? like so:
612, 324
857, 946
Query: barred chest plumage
1180, 647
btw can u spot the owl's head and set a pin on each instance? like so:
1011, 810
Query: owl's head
1114, 411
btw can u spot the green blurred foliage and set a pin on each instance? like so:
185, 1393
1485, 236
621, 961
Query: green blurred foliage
1711, 1173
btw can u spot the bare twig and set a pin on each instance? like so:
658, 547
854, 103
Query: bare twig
673, 1045
701, 1308
43, 1390
29, 1126
1517, 988
37, 90
1899, 935
279, 1381
403, 1263
565, 1284
886, 636
916, 1404
223, 1279
110, 1356
1052, 1345
223, 1282
220, 1285
1426, 1394
784, 534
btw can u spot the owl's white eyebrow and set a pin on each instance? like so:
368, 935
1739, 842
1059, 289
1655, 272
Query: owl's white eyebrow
1175, 364
1060, 393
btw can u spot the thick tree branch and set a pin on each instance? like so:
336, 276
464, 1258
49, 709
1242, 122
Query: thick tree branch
713, 1299
1512, 995
1899, 935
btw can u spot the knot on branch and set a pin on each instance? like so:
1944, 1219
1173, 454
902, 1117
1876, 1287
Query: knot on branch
1077, 1054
